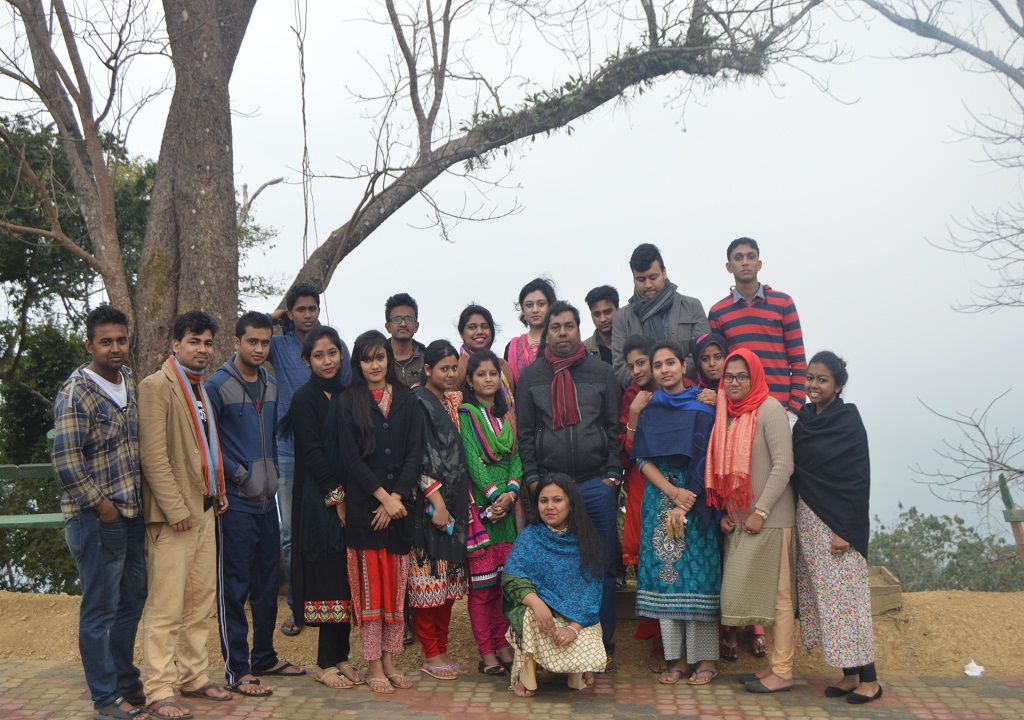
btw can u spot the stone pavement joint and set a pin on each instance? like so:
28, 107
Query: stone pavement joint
44, 690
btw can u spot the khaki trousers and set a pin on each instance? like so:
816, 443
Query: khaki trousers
781, 639
182, 570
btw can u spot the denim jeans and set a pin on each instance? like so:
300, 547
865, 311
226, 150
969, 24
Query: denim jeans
601, 504
285, 481
112, 570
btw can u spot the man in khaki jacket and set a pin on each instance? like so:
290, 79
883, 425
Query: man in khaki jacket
182, 491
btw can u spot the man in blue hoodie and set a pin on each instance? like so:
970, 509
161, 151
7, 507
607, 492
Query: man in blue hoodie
302, 315
244, 400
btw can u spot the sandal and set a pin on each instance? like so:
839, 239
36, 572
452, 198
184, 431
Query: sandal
236, 687
695, 679
290, 628
400, 681
673, 675
524, 692
154, 710
656, 663
728, 650
332, 672
114, 711
380, 685
757, 646
203, 693
432, 672
485, 669
136, 698
281, 669
348, 670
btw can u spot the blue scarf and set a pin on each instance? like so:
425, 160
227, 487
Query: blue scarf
678, 426
552, 562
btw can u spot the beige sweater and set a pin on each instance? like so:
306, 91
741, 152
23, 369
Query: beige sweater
772, 465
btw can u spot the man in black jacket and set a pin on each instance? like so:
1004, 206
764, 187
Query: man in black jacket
567, 403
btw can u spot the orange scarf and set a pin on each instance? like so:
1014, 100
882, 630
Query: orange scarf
729, 451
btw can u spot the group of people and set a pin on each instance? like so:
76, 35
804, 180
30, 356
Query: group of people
400, 477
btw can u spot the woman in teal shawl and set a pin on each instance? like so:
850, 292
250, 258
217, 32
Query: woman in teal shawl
552, 587
679, 576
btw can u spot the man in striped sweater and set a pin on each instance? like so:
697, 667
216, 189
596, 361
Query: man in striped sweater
765, 321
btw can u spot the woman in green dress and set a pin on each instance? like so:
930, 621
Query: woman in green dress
488, 428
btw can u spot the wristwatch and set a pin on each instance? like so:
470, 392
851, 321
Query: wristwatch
762, 513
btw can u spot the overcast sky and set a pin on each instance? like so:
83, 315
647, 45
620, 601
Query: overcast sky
843, 190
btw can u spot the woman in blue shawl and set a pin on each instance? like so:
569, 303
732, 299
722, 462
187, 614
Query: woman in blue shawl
679, 577
551, 590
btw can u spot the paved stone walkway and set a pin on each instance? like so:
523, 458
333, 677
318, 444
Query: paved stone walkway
37, 690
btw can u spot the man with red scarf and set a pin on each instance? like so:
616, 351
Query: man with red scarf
569, 423
182, 492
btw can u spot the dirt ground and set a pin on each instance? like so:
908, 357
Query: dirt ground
935, 633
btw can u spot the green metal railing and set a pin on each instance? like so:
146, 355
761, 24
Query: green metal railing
33, 521
1013, 515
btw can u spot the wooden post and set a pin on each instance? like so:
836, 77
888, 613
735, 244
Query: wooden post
1013, 515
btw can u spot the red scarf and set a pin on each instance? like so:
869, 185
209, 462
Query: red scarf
565, 410
729, 451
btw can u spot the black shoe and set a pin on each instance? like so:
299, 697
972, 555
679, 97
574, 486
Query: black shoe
746, 677
834, 692
857, 699
758, 687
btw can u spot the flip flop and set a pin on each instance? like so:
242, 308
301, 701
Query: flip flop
695, 678
671, 677
136, 698
380, 685
202, 693
430, 671
729, 651
114, 711
333, 672
290, 628
235, 687
399, 681
524, 693
154, 710
485, 669
346, 667
280, 670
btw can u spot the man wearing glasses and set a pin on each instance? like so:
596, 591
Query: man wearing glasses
401, 315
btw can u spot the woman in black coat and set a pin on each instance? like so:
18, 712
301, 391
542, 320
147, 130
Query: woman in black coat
381, 435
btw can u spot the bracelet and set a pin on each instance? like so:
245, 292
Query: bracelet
629, 429
570, 627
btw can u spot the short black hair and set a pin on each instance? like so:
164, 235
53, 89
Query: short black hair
644, 256
636, 342
252, 319
104, 315
835, 364
196, 322
398, 300
602, 292
299, 290
742, 241
557, 308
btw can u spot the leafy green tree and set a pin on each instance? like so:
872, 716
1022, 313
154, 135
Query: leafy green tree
928, 552
35, 560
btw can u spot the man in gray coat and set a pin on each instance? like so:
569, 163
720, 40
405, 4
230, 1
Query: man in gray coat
657, 311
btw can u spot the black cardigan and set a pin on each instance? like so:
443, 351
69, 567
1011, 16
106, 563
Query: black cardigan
394, 465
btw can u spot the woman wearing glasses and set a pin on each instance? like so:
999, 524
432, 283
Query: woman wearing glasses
749, 464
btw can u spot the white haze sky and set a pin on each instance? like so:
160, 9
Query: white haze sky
842, 190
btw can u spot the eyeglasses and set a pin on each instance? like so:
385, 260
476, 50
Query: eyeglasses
742, 379
399, 319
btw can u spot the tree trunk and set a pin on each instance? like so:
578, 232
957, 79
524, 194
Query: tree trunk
190, 254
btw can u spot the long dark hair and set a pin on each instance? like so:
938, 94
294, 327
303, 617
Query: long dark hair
543, 285
591, 546
475, 361
358, 396
435, 353
317, 332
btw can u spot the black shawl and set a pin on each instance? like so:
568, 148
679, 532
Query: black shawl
832, 471
444, 460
